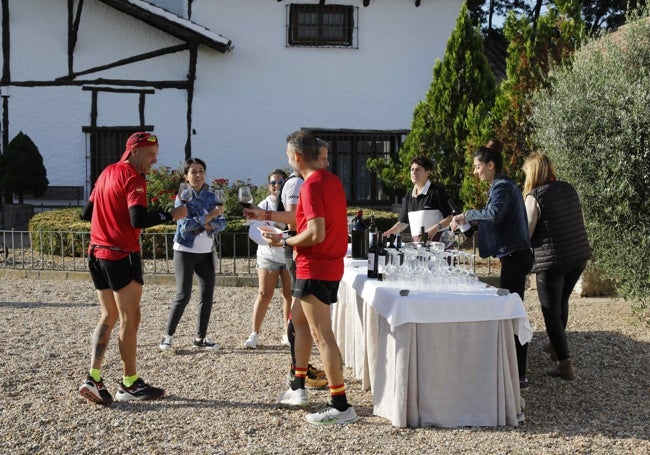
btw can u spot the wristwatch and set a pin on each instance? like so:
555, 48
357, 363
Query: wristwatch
284, 242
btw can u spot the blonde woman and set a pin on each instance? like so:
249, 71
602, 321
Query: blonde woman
561, 249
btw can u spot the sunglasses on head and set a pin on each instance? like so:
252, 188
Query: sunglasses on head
276, 182
148, 137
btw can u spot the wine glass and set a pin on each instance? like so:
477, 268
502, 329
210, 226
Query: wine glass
219, 197
448, 238
245, 197
184, 192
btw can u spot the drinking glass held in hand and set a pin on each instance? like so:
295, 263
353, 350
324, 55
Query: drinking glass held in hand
219, 197
245, 197
184, 192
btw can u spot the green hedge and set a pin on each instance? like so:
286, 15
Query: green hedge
63, 232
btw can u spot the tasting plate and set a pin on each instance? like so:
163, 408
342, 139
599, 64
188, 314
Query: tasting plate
269, 229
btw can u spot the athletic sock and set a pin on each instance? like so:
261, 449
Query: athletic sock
339, 400
128, 381
299, 379
95, 374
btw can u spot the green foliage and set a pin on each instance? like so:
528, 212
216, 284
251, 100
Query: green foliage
534, 48
462, 80
383, 220
69, 233
594, 122
163, 182
64, 232
231, 190
162, 187
22, 170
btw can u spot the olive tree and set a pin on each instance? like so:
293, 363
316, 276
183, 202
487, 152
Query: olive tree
594, 122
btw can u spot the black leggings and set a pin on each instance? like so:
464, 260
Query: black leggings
185, 266
554, 289
514, 268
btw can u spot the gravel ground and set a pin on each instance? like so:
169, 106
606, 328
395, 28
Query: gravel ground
225, 402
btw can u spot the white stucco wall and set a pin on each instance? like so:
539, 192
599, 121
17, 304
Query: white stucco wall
245, 101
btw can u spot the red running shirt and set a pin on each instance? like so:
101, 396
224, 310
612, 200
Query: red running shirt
118, 187
322, 196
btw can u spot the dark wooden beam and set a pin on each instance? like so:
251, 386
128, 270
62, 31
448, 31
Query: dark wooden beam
117, 82
73, 30
127, 61
119, 90
6, 41
191, 77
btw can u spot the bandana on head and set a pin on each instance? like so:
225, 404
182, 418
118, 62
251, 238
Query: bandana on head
140, 139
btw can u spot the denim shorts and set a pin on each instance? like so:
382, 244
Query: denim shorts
266, 264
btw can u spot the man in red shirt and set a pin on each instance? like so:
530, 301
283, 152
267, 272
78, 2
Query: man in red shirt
321, 244
117, 210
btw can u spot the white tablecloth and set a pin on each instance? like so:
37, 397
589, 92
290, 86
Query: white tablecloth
432, 359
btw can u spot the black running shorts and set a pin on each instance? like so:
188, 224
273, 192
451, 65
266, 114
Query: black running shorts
325, 291
115, 274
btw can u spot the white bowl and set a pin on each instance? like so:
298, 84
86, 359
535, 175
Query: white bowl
269, 229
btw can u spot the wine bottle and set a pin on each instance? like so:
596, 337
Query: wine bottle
398, 247
382, 255
423, 236
391, 241
373, 256
466, 229
372, 227
359, 237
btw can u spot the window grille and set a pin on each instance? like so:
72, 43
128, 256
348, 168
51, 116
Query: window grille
322, 26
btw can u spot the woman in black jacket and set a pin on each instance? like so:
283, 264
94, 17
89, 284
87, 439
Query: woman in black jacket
561, 249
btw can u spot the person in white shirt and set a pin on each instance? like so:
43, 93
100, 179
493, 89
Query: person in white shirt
270, 264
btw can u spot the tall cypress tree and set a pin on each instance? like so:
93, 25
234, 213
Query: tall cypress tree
462, 80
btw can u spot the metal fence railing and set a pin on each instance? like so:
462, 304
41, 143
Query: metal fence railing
68, 251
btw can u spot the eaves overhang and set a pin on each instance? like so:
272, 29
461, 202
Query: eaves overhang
171, 24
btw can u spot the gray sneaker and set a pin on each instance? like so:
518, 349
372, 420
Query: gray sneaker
331, 416
296, 397
166, 343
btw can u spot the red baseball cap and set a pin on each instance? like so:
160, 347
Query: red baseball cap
139, 139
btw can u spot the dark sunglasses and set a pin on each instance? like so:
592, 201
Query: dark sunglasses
276, 182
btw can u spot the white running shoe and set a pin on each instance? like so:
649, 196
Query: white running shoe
285, 340
331, 416
296, 397
252, 341
166, 343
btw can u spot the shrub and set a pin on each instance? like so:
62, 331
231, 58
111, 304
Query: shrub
162, 186
21, 170
594, 122
70, 234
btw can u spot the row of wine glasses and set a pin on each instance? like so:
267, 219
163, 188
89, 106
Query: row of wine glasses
421, 269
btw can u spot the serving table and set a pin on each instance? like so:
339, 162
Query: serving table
442, 359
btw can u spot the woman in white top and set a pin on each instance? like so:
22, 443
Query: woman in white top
270, 265
193, 254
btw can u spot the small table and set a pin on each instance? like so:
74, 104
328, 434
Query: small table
432, 359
